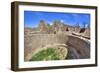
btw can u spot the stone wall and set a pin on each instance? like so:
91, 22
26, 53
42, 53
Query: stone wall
82, 46
34, 42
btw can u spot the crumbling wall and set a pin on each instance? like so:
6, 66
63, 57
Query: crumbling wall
82, 46
33, 42
36, 41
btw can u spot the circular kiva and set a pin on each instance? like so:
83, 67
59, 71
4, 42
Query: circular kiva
77, 46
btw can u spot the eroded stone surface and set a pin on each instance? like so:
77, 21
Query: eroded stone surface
75, 38
34, 42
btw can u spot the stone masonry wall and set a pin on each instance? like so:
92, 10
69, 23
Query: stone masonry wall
82, 46
34, 42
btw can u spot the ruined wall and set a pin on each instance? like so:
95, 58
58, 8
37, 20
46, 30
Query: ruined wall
81, 46
34, 42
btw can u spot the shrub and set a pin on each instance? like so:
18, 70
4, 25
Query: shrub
48, 54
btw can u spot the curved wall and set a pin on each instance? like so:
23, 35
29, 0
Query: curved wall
33, 42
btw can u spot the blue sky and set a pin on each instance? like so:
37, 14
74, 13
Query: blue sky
32, 18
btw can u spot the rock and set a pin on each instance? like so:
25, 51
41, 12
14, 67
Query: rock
43, 26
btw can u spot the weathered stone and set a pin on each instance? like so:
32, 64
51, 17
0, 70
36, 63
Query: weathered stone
43, 26
34, 42
57, 33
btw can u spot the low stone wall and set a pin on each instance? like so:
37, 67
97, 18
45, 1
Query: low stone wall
34, 42
80, 45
